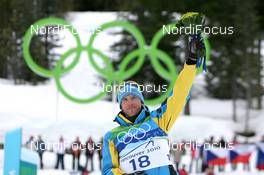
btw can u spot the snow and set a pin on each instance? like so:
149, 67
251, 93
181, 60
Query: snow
43, 110
34, 108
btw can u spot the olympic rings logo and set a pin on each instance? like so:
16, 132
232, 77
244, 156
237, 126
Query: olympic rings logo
124, 72
133, 132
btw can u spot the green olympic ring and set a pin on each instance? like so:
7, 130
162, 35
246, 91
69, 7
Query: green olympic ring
124, 72
26, 45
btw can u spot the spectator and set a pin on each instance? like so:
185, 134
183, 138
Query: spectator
210, 170
76, 153
194, 157
211, 140
246, 166
262, 139
233, 143
29, 144
222, 144
99, 151
176, 153
212, 144
234, 140
89, 153
183, 145
60, 149
40, 148
202, 155
182, 171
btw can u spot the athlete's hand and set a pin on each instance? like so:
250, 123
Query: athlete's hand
196, 49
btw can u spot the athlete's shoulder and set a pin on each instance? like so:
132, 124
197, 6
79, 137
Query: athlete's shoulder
111, 134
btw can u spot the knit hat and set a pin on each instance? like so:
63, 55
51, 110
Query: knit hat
129, 88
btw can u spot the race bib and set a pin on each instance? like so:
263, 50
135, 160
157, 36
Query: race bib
145, 155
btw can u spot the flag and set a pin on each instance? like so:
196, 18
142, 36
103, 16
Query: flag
241, 153
260, 156
216, 156
195, 152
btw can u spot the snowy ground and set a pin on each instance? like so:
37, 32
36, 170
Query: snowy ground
42, 110
50, 158
39, 117
36, 112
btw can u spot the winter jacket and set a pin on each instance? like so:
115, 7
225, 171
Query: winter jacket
142, 147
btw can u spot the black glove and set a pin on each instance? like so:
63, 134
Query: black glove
196, 49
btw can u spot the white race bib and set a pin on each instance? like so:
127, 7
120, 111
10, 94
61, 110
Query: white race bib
145, 155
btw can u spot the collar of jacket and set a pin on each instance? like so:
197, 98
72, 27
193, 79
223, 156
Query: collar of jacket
123, 121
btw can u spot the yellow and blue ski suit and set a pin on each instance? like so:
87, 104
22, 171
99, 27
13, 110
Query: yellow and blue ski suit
160, 121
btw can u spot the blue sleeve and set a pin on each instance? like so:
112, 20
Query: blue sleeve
110, 164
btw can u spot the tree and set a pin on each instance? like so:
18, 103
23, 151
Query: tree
16, 17
149, 17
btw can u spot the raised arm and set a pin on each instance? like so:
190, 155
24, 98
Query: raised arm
169, 111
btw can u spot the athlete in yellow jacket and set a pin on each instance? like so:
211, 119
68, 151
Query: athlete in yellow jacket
140, 144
